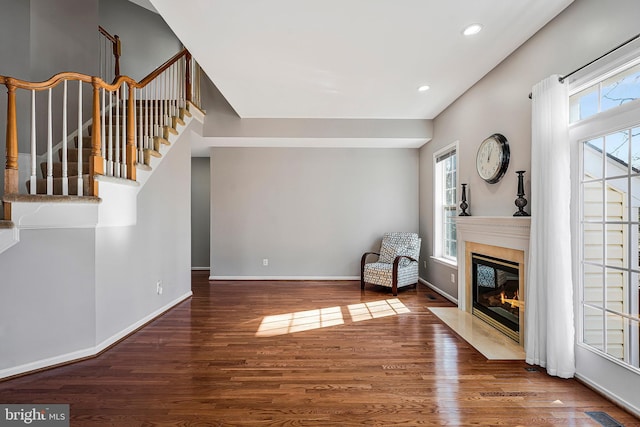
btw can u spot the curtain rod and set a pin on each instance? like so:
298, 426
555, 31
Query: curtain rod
563, 78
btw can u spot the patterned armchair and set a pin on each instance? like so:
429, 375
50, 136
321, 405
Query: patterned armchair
397, 264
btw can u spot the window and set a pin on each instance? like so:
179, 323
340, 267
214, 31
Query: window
445, 199
610, 91
609, 183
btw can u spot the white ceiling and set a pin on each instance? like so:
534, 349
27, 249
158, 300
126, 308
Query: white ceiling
350, 59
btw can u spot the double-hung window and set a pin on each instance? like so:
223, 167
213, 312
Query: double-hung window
445, 199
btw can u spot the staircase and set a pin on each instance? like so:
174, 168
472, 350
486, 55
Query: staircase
74, 153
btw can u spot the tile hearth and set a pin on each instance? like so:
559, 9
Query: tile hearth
491, 343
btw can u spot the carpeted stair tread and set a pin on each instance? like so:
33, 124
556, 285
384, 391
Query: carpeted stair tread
6, 224
72, 168
41, 185
72, 154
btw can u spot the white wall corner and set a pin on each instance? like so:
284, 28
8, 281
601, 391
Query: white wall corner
8, 238
119, 202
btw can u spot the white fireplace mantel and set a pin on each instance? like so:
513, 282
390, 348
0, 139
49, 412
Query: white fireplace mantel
506, 232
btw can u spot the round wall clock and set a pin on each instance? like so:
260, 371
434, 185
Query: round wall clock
493, 158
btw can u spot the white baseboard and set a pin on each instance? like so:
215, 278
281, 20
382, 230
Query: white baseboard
440, 291
91, 351
608, 394
328, 278
45, 363
131, 328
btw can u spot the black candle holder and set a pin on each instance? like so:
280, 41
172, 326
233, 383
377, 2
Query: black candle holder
521, 202
464, 205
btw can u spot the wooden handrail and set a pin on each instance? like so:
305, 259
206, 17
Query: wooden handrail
155, 73
106, 34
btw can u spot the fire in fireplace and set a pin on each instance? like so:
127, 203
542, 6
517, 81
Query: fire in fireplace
495, 293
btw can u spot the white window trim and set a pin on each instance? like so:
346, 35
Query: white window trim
437, 214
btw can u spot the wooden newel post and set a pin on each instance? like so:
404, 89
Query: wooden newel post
131, 134
96, 165
116, 54
187, 79
11, 167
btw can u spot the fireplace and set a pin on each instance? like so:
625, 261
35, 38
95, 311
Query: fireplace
496, 287
498, 247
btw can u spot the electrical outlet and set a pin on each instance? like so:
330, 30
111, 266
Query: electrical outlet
159, 287
453, 278
265, 262
425, 264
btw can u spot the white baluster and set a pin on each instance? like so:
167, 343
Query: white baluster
156, 108
123, 126
116, 169
138, 115
110, 135
147, 117
103, 139
49, 147
65, 165
160, 100
80, 168
172, 78
34, 155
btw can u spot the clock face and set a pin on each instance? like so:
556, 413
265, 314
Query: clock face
493, 158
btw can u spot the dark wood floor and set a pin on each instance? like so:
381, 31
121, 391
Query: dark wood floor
333, 357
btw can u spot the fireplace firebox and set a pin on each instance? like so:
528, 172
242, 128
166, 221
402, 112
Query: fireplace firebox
495, 285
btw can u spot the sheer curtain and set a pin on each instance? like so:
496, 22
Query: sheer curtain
549, 327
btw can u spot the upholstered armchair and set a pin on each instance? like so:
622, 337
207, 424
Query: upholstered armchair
397, 264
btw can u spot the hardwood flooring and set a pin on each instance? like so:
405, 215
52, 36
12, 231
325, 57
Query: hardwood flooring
305, 353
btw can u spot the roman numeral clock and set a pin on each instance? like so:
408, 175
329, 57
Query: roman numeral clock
492, 159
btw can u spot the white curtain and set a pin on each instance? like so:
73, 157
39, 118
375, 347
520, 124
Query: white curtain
549, 327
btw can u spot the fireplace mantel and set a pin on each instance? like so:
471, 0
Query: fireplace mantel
506, 232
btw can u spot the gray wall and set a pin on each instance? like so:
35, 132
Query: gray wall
311, 212
48, 310
200, 212
146, 40
500, 103
130, 260
14, 44
63, 37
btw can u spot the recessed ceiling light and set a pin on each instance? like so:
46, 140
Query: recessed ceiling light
472, 29
423, 88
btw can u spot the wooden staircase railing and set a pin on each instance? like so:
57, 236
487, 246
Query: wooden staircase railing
110, 51
129, 120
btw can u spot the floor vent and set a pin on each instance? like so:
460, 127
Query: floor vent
531, 369
506, 393
604, 419
431, 297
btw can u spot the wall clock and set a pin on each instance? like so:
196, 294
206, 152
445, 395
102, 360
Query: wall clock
492, 159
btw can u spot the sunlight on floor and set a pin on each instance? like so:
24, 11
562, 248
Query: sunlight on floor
299, 321
375, 309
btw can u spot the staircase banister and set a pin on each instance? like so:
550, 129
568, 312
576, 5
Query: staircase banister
117, 83
105, 33
46, 84
155, 73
